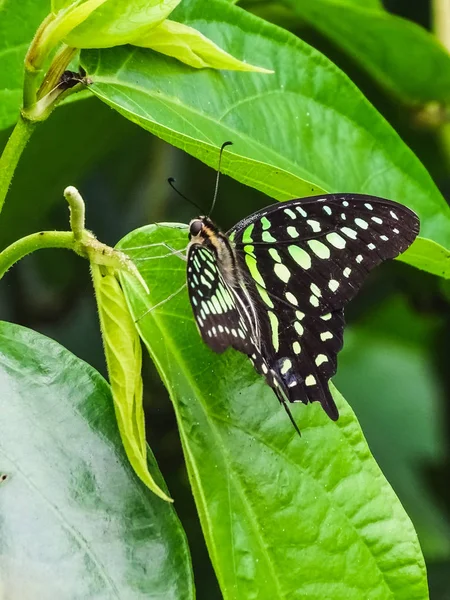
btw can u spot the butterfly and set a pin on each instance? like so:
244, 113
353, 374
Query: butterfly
275, 286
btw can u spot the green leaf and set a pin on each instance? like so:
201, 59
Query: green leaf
119, 22
390, 356
18, 24
300, 131
76, 522
303, 517
191, 47
428, 256
124, 359
402, 56
65, 21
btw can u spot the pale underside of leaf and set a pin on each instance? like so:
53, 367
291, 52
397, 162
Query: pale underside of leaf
76, 522
124, 360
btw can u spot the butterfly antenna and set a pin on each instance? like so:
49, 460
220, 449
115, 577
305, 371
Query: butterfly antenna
289, 414
171, 182
224, 145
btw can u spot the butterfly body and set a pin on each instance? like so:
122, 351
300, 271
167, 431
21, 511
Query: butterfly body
275, 286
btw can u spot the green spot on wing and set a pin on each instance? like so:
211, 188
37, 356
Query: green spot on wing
274, 329
247, 235
267, 237
265, 223
301, 257
282, 272
253, 268
319, 249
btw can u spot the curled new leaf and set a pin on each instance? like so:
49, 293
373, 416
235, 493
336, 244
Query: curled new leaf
116, 23
120, 22
191, 47
57, 26
124, 360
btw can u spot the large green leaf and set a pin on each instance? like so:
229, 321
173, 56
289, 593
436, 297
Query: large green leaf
390, 356
304, 129
18, 24
402, 56
75, 520
283, 516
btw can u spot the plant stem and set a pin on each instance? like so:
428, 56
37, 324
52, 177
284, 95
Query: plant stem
30, 243
11, 154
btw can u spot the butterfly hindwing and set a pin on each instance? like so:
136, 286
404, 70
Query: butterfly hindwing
303, 260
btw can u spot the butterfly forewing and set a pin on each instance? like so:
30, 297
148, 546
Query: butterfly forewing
332, 241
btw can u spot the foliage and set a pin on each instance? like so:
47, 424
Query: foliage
282, 517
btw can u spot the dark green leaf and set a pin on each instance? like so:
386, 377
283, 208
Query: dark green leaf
76, 142
402, 56
303, 129
283, 516
75, 520
390, 356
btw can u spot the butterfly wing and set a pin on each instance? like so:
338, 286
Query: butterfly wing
222, 318
303, 260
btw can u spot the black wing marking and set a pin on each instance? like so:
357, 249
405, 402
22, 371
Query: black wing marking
304, 260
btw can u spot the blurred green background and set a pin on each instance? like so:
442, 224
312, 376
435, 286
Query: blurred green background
397, 342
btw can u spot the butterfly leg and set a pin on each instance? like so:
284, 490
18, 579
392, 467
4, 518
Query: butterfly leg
152, 308
284, 403
172, 252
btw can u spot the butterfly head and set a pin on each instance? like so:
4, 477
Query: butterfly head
201, 230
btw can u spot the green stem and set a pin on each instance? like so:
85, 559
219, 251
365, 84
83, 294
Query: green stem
35, 241
11, 155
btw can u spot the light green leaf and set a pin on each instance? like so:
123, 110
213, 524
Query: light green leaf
192, 48
401, 55
65, 20
58, 5
300, 131
428, 256
309, 517
119, 22
124, 361
75, 520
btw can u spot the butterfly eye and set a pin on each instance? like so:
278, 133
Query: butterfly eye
195, 227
